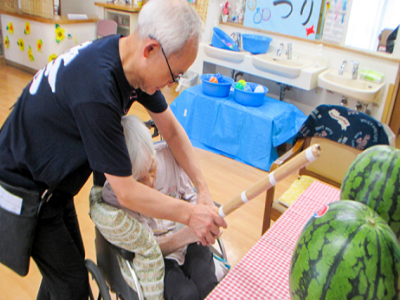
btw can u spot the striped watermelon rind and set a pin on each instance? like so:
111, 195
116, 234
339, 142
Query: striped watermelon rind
374, 179
347, 253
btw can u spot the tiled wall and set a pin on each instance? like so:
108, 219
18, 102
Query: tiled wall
41, 8
9, 5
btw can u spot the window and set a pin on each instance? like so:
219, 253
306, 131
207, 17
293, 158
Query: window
367, 20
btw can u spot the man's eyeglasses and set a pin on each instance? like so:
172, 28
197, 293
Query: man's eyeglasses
174, 79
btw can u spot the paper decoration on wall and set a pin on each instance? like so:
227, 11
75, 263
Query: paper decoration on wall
334, 26
21, 44
6, 42
30, 55
251, 4
52, 56
293, 17
27, 29
60, 36
76, 41
39, 45
10, 27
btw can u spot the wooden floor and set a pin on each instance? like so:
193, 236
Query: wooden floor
226, 179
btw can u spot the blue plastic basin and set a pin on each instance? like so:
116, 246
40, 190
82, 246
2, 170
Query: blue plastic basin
220, 40
255, 44
250, 98
220, 89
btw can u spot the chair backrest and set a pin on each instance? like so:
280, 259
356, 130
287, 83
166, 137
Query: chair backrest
345, 126
332, 165
106, 27
342, 133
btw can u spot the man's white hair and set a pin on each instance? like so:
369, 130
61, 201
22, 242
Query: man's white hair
140, 145
171, 22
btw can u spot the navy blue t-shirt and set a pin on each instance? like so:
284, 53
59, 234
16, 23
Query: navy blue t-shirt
67, 121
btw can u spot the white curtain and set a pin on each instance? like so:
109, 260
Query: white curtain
367, 19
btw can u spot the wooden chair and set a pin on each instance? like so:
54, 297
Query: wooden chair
106, 27
327, 125
330, 168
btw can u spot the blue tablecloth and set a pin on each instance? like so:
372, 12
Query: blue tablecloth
246, 134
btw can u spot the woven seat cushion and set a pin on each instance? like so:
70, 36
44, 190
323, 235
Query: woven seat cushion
295, 190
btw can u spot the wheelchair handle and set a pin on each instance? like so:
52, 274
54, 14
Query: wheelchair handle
303, 159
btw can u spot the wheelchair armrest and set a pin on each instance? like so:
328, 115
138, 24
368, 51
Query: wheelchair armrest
125, 254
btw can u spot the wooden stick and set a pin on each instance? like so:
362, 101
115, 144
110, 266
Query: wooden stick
304, 158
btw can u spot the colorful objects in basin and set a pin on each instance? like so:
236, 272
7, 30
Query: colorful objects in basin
239, 86
255, 44
374, 179
345, 251
222, 40
220, 89
242, 81
213, 79
247, 95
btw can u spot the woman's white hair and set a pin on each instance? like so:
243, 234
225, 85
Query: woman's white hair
140, 145
171, 22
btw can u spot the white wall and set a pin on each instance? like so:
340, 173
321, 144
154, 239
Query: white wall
79, 32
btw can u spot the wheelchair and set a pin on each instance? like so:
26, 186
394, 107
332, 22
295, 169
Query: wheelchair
106, 275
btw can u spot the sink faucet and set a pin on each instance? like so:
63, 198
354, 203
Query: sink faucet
237, 38
342, 66
280, 49
289, 51
354, 71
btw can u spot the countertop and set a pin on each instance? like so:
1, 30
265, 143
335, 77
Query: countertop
121, 7
54, 20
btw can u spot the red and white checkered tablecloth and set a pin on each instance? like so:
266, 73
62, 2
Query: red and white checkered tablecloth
263, 273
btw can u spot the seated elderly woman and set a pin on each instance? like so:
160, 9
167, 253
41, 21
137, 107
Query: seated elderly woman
189, 266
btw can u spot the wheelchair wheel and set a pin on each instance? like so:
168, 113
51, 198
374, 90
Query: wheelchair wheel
98, 288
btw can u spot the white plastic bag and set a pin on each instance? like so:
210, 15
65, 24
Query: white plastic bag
187, 80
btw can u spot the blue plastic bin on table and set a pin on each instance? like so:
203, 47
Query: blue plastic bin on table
244, 133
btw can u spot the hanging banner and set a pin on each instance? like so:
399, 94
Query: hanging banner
292, 17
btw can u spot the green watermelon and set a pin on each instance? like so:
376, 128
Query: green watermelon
374, 179
346, 251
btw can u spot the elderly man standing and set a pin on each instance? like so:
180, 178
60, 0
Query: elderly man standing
67, 123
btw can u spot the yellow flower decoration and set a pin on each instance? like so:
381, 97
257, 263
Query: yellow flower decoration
21, 44
52, 56
59, 33
6, 42
39, 45
27, 28
30, 55
10, 27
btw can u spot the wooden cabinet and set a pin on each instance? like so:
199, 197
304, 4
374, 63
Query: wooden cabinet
126, 16
126, 21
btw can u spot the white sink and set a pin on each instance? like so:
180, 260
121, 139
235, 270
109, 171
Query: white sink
232, 56
280, 65
358, 89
